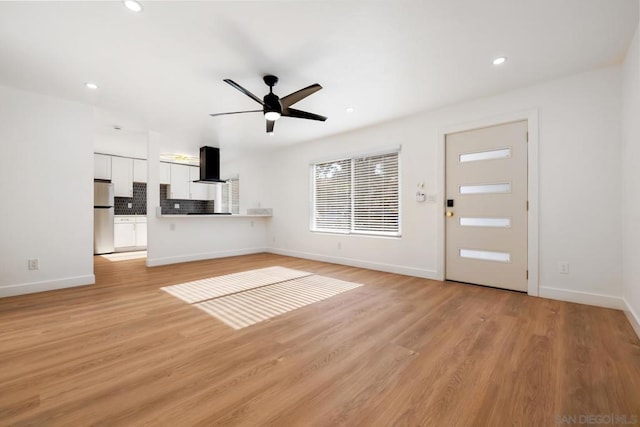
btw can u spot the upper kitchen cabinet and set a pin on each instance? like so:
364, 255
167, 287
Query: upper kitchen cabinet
197, 191
122, 176
165, 173
139, 170
179, 185
101, 166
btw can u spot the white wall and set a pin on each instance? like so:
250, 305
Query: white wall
46, 186
631, 182
190, 238
121, 142
579, 140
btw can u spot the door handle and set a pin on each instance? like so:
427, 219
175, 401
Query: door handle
449, 213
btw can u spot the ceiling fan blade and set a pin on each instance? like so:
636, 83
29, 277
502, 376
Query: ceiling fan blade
243, 90
294, 97
270, 124
235, 112
292, 112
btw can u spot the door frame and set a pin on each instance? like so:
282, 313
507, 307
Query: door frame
531, 116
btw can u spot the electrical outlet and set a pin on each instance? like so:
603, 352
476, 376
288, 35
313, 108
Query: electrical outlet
339, 245
563, 267
129, 205
172, 227
33, 264
176, 206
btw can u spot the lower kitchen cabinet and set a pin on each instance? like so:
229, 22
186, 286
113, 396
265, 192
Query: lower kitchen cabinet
141, 234
124, 234
130, 232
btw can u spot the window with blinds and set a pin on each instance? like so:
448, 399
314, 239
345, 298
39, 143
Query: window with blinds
230, 196
357, 195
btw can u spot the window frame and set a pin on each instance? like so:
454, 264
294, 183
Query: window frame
352, 158
228, 203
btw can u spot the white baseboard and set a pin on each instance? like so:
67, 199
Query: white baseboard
47, 285
154, 262
588, 298
632, 316
389, 268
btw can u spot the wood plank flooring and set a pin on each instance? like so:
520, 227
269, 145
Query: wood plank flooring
397, 351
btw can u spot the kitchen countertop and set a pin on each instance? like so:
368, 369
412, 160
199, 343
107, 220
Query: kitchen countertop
251, 213
213, 216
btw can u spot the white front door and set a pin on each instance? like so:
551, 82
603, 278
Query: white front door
486, 206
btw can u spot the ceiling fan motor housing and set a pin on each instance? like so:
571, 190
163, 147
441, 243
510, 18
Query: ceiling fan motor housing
272, 103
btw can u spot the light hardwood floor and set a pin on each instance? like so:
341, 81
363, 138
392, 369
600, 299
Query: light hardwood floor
397, 351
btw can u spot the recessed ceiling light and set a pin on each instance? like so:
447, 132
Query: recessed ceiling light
90, 85
350, 109
133, 5
500, 60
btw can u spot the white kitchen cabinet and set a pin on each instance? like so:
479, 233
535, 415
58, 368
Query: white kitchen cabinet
130, 232
139, 170
179, 187
141, 233
197, 191
101, 166
122, 176
165, 173
124, 233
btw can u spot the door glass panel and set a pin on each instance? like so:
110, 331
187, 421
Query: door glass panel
485, 255
486, 155
485, 189
486, 222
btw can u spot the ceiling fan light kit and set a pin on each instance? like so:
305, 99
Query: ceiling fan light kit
274, 107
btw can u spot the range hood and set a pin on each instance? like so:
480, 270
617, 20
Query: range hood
210, 165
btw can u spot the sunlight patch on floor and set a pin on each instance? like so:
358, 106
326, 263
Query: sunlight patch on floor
249, 297
256, 305
214, 287
125, 256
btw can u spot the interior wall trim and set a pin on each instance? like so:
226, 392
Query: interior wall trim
46, 285
372, 265
632, 316
154, 262
589, 298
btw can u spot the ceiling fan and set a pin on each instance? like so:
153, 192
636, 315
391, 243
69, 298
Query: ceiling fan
275, 107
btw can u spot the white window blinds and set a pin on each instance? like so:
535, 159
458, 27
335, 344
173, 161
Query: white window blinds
230, 196
357, 195
234, 185
332, 196
375, 196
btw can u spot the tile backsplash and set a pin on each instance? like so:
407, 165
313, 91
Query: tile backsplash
186, 206
139, 203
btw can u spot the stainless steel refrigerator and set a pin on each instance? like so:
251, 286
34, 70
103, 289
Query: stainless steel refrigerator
102, 217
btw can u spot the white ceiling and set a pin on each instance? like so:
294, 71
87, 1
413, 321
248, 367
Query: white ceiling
162, 69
